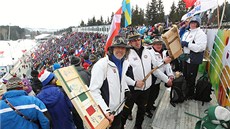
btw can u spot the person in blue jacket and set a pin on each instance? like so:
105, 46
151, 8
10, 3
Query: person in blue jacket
30, 107
59, 106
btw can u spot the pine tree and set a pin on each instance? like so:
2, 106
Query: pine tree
82, 23
101, 20
181, 10
148, 15
94, 20
153, 11
227, 12
160, 12
172, 15
141, 17
90, 22
135, 13
108, 20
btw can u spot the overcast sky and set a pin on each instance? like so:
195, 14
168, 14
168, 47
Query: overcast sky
57, 14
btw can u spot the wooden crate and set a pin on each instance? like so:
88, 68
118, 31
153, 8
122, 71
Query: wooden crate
80, 96
172, 42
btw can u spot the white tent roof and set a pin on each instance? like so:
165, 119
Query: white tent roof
42, 36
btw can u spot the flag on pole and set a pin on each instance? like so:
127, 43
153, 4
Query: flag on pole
126, 9
23, 51
114, 29
80, 51
199, 7
86, 44
92, 49
189, 3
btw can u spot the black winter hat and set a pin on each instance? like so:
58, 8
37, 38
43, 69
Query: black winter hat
75, 61
34, 73
92, 57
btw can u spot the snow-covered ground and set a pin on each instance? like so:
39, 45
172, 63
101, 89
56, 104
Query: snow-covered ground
14, 49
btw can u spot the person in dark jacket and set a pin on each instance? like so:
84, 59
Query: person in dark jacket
85, 75
35, 82
93, 58
59, 106
87, 62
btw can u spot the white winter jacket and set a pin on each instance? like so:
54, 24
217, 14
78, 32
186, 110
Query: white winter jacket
142, 66
106, 69
200, 41
166, 68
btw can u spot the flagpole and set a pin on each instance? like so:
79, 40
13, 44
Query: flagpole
218, 16
222, 16
9, 32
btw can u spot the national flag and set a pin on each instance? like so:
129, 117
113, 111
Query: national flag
92, 49
167, 22
65, 51
200, 6
23, 51
86, 102
78, 52
86, 44
114, 29
189, 3
1, 52
126, 9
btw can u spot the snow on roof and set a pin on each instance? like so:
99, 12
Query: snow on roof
42, 36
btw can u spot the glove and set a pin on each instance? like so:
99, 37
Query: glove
184, 44
128, 95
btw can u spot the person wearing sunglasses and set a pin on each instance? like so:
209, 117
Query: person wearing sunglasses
108, 81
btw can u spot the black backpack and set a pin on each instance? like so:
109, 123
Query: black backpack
179, 91
203, 89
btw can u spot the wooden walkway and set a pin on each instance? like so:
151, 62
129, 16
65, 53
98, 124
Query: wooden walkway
168, 117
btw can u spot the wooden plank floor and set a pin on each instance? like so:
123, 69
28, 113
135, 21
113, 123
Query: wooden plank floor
168, 117
147, 121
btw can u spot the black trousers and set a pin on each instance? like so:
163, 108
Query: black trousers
140, 98
153, 94
77, 120
116, 122
190, 73
178, 65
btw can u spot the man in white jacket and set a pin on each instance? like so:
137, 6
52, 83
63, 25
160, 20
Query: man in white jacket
141, 60
108, 81
160, 54
194, 43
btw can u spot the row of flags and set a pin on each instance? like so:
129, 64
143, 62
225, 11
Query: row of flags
2, 52
78, 52
199, 7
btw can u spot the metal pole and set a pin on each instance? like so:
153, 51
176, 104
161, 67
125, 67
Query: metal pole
119, 106
11, 54
222, 16
218, 15
9, 32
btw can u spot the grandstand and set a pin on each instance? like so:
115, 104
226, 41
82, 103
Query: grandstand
104, 29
